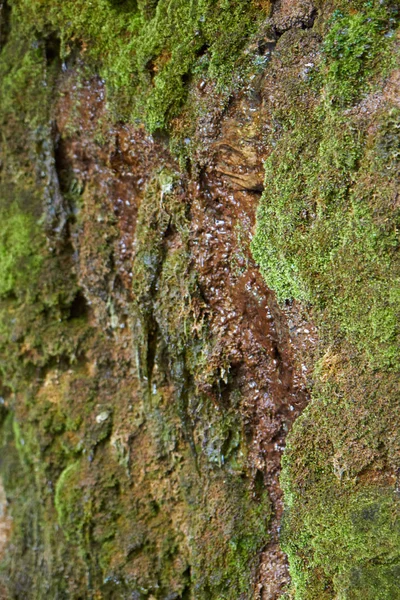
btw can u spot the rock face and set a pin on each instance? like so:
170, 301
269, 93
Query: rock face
199, 298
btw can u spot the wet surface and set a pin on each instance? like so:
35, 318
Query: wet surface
108, 168
254, 329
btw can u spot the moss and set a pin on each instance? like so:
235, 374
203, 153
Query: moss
70, 512
341, 520
33, 522
37, 283
327, 236
356, 45
351, 533
326, 230
155, 500
228, 538
37, 333
20, 257
23, 74
342, 509
148, 52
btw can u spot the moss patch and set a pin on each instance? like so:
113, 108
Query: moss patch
149, 51
327, 235
349, 546
341, 520
327, 226
19, 252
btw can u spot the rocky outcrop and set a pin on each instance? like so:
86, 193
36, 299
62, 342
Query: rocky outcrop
199, 275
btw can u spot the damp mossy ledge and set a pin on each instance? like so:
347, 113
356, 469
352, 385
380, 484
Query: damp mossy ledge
327, 236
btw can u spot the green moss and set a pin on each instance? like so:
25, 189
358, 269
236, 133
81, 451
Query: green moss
356, 45
25, 83
326, 231
70, 513
342, 508
345, 536
20, 257
37, 283
339, 477
327, 235
148, 53
33, 521
37, 289
23, 75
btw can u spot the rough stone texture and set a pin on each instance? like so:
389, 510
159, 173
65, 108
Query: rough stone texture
150, 370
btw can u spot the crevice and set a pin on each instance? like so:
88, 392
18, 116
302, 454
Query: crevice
148, 8
161, 136
202, 50
186, 79
183, 384
259, 486
3, 410
257, 189
151, 351
5, 22
186, 593
79, 307
266, 46
52, 47
125, 6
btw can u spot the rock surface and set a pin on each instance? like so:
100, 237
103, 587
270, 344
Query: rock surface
199, 292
